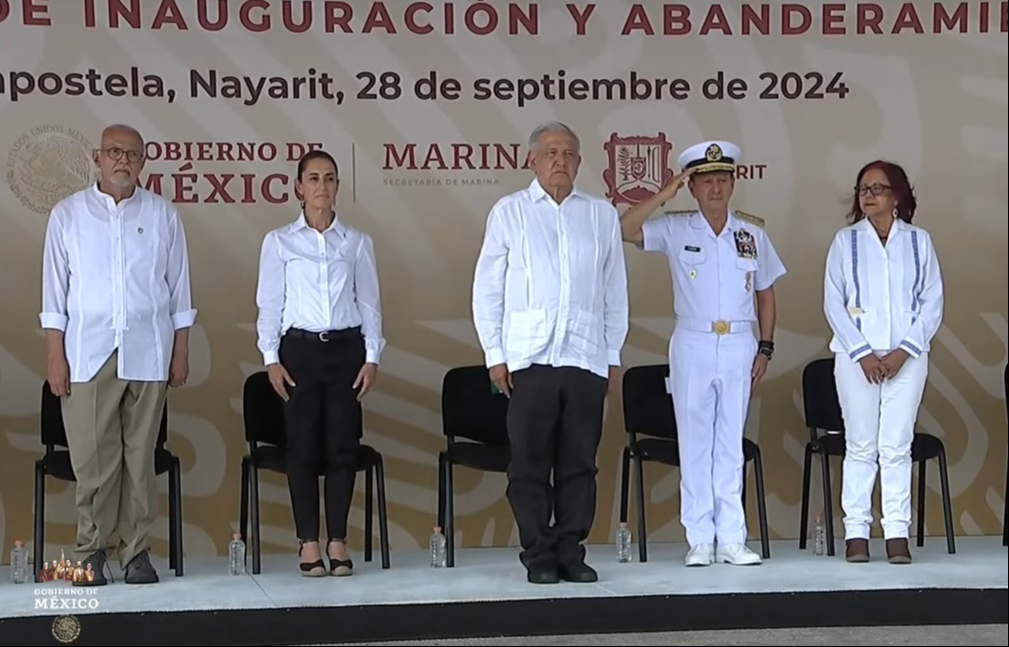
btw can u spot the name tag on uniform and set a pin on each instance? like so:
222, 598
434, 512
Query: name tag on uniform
746, 246
691, 248
855, 311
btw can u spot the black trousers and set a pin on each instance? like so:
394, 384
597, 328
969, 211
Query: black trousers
555, 420
324, 426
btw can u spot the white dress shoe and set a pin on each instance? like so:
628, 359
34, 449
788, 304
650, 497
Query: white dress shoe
701, 555
738, 555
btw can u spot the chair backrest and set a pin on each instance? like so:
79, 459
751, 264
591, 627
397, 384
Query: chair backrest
822, 408
648, 407
471, 409
263, 412
53, 430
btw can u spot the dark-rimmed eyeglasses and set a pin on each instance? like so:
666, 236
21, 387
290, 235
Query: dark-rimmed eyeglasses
875, 189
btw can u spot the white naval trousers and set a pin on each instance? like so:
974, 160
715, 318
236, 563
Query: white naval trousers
710, 381
879, 421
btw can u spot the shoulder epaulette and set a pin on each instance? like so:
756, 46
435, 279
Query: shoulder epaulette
680, 212
750, 218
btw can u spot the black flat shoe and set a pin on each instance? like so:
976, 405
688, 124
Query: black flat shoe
311, 569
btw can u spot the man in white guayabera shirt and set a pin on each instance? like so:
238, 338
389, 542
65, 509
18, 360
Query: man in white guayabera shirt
116, 310
550, 309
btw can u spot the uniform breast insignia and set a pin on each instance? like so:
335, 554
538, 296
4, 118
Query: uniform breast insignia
746, 245
749, 281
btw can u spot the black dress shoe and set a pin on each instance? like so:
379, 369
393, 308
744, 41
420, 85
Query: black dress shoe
578, 572
542, 574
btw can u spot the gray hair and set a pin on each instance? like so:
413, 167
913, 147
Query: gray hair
550, 127
126, 128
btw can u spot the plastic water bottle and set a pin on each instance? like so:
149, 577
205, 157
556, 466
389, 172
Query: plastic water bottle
439, 553
623, 541
19, 563
819, 537
236, 555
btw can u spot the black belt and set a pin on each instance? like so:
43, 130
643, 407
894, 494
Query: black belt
327, 335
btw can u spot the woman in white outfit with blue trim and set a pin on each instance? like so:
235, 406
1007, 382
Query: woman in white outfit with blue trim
883, 299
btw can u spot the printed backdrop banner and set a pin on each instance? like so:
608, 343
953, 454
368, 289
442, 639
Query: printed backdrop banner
428, 107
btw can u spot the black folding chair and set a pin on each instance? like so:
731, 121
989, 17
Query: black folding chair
55, 462
1005, 493
826, 432
649, 412
265, 431
474, 421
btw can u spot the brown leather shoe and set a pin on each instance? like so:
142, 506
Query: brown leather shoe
897, 551
857, 551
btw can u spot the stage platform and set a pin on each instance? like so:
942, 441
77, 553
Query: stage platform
486, 595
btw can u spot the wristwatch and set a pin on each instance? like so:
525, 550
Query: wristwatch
766, 348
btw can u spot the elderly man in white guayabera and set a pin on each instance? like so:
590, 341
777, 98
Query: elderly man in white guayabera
116, 308
724, 268
551, 312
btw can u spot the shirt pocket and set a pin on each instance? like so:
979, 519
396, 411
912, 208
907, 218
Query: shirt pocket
586, 331
747, 270
527, 331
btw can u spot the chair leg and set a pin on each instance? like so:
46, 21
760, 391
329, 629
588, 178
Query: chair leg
369, 512
243, 514
625, 482
1005, 512
807, 468
175, 507
947, 504
828, 511
383, 513
257, 564
40, 518
922, 489
449, 526
642, 526
441, 490
758, 476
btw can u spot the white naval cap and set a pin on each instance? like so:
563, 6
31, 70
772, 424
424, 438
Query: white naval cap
710, 156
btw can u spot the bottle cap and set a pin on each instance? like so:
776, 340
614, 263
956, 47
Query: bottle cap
623, 524
236, 535
18, 544
437, 529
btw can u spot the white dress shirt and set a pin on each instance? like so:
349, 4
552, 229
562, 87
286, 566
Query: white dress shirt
116, 277
318, 282
878, 298
714, 277
550, 284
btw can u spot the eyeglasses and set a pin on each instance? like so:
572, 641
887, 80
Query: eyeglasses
875, 189
116, 154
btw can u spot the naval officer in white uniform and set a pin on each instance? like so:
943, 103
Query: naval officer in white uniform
724, 268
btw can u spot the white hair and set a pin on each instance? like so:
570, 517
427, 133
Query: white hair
550, 127
126, 128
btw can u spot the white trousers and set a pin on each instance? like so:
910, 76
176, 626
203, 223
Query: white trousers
879, 422
710, 381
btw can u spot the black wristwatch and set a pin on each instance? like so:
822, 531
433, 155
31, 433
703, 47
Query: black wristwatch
766, 348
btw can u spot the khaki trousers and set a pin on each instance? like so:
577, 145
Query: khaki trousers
112, 429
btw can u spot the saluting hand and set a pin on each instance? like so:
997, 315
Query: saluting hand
366, 380
675, 183
280, 379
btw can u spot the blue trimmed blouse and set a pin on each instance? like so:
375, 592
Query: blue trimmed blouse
877, 298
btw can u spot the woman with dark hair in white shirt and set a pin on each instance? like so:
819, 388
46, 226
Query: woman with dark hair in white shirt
883, 299
320, 333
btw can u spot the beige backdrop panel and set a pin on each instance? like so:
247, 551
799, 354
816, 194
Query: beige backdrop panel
420, 176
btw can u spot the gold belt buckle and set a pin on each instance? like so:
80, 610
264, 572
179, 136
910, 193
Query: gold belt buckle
721, 327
